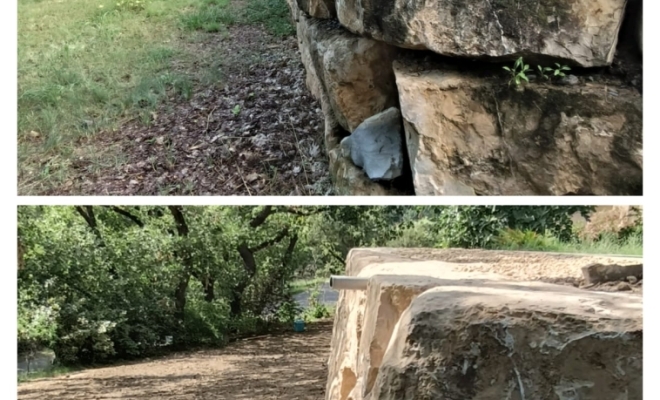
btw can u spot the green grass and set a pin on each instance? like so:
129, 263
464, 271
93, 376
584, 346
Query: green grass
48, 373
86, 67
607, 244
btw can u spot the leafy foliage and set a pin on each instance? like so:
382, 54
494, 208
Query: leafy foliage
476, 226
103, 283
518, 72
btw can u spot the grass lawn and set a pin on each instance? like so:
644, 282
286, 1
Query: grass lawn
87, 67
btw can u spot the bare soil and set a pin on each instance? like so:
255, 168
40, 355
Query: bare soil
286, 366
255, 131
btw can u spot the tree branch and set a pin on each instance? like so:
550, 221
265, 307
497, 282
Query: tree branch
87, 212
288, 254
181, 226
281, 235
337, 257
128, 215
296, 211
260, 218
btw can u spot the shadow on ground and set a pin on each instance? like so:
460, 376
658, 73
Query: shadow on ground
287, 366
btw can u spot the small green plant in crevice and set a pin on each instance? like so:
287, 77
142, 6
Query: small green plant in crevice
559, 69
518, 72
236, 110
543, 72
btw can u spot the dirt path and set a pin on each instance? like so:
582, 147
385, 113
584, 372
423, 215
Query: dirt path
289, 366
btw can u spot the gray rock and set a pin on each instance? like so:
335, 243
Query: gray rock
569, 80
376, 145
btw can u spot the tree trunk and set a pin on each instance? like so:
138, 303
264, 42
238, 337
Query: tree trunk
180, 298
182, 287
209, 294
87, 212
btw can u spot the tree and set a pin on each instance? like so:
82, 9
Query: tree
103, 282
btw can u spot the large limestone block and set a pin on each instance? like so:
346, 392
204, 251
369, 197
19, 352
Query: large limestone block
318, 8
583, 31
468, 134
355, 72
514, 340
367, 321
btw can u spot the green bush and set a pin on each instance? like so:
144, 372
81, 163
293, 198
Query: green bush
206, 323
517, 239
421, 233
480, 227
634, 232
37, 324
288, 311
316, 309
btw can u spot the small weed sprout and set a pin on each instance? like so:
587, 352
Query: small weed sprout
543, 72
236, 110
559, 70
518, 72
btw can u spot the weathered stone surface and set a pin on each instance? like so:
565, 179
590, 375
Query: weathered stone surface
514, 340
318, 8
354, 72
364, 321
584, 32
316, 37
376, 145
466, 133
599, 273
349, 180
294, 10
430, 329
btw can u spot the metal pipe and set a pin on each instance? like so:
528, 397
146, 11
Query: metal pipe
340, 282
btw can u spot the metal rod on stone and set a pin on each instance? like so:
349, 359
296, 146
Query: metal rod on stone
340, 282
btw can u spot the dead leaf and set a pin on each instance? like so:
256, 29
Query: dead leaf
252, 177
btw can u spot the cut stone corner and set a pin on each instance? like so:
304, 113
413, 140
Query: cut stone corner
428, 328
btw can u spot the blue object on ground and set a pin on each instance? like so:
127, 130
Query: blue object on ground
299, 325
